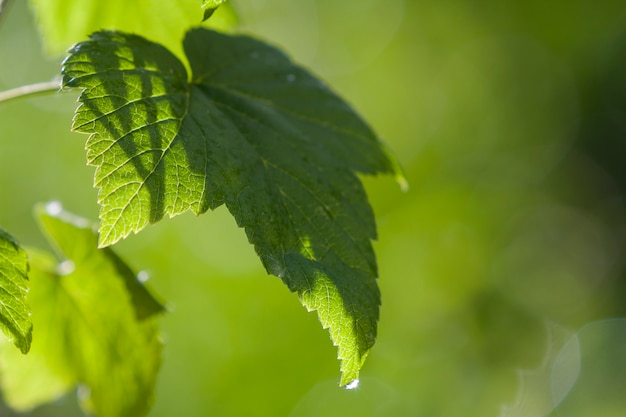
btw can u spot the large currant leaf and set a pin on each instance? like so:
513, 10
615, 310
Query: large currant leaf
251, 130
15, 319
92, 327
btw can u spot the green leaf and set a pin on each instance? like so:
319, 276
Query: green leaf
44, 374
254, 131
209, 6
62, 23
91, 330
63, 229
15, 320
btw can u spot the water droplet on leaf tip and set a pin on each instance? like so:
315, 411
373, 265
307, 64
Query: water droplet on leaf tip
352, 385
54, 208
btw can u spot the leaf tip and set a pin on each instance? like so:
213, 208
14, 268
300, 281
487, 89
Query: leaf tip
24, 345
22, 339
209, 7
350, 369
103, 242
395, 168
107, 235
402, 182
207, 14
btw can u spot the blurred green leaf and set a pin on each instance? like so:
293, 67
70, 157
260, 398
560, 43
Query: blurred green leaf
87, 328
45, 373
63, 23
254, 131
63, 230
15, 319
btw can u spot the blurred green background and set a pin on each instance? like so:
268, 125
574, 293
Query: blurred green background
502, 269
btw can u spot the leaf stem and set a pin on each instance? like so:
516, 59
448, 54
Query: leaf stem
31, 90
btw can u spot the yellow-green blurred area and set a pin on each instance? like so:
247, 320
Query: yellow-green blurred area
502, 269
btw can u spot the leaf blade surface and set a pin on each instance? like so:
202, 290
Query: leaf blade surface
251, 130
15, 320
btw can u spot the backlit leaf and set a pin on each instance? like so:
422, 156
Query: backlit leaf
92, 328
64, 22
254, 131
15, 319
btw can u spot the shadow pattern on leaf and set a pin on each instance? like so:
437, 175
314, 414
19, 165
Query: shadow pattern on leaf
250, 130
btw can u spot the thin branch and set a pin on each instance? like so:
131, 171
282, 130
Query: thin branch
31, 90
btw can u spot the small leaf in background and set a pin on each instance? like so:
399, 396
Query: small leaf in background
62, 23
15, 320
92, 328
209, 7
63, 229
253, 131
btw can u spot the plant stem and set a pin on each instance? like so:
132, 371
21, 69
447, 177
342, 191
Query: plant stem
31, 90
